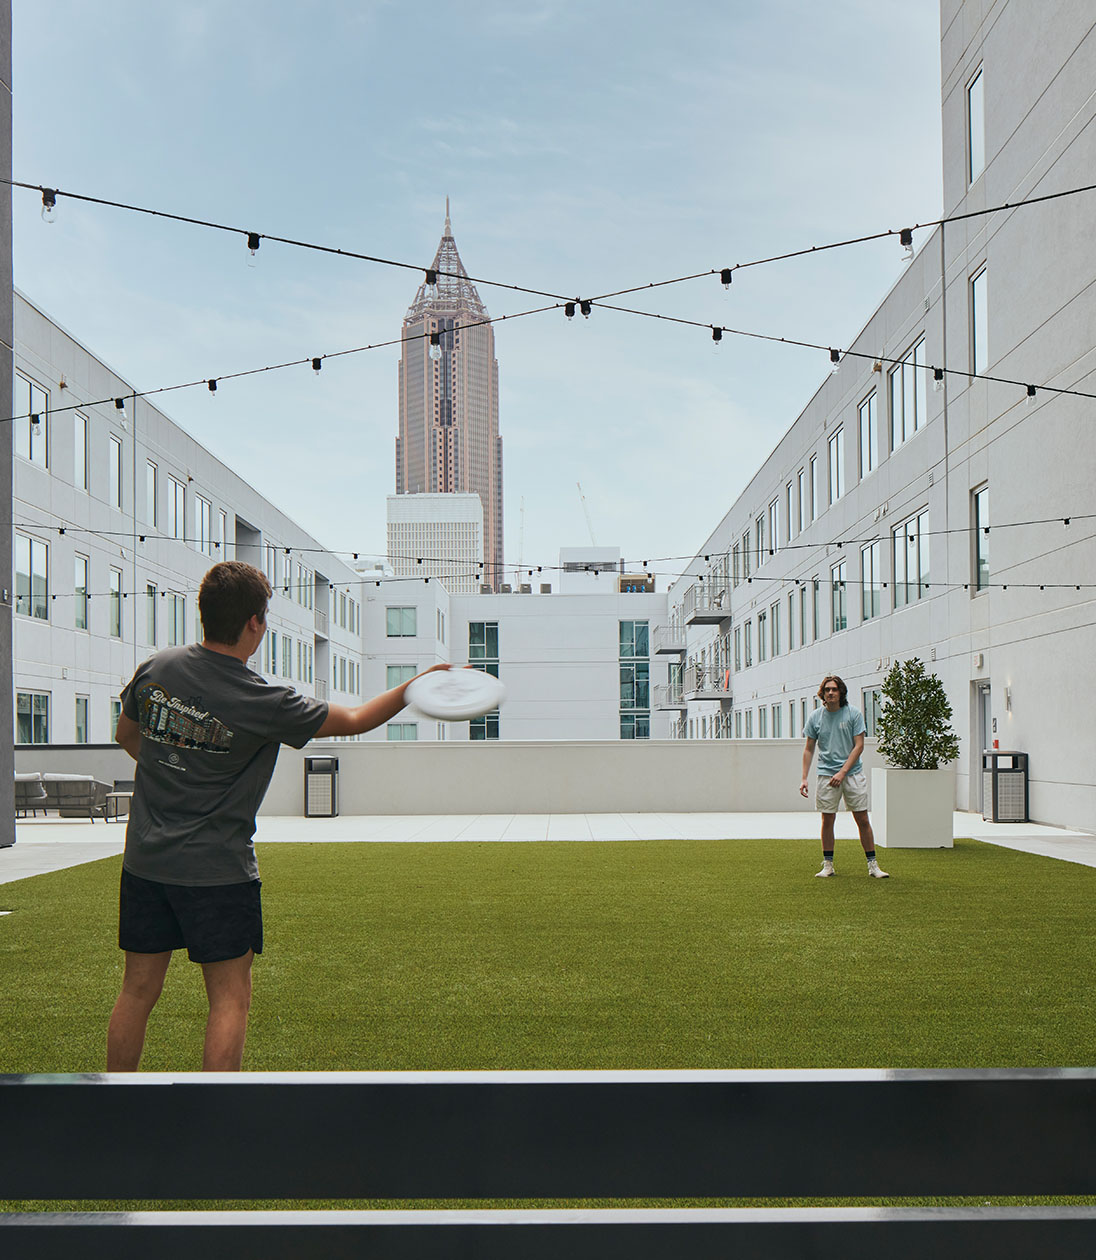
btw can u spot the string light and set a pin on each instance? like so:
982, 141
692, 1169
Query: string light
905, 239
725, 277
835, 361
252, 248
435, 346
717, 334
431, 283
49, 205
938, 380
584, 307
212, 386
569, 309
316, 365
1031, 395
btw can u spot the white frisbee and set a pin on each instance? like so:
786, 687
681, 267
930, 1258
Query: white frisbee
455, 695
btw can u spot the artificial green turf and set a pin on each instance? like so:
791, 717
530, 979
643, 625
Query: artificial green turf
674, 954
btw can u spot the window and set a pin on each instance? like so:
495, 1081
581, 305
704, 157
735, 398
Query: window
976, 127
816, 600
222, 538
738, 647
869, 436
911, 559
814, 486
483, 645
871, 705
980, 508
801, 492
759, 542
907, 395
152, 508
80, 592
150, 614
176, 508
635, 680
979, 313
115, 714
837, 464
762, 636
486, 727
791, 719
774, 526
738, 724
441, 626
80, 452
32, 717
802, 616
287, 658
777, 715
397, 732
31, 577
176, 620
791, 621
81, 727
748, 640
746, 554
634, 639
31, 403
749, 723
871, 581
114, 447
115, 603
203, 521
401, 622
774, 628
762, 722
736, 564
788, 510
837, 590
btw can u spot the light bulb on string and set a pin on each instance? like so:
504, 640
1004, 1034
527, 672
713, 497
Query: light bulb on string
569, 309
938, 380
584, 307
435, 346
725, 277
431, 283
49, 205
1031, 395
316, 365
905, 239
252, 248
211, 385
835, 361
717, 335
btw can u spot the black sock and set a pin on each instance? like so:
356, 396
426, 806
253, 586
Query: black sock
870, 854
827, 855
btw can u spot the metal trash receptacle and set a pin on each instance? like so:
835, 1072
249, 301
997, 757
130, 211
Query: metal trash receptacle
1004, 787
321, 787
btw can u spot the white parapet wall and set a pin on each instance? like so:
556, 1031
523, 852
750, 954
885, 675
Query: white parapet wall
560, 777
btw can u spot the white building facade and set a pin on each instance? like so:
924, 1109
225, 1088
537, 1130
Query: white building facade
437, 535
117, 515
917, 506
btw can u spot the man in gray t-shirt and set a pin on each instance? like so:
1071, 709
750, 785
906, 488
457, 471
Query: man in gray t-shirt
838, 731
205, 732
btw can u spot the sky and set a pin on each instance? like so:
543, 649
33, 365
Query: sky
585, 146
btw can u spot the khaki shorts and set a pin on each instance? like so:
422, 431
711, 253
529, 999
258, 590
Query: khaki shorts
854, 788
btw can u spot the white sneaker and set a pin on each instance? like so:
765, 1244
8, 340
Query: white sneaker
875, 872
826, 871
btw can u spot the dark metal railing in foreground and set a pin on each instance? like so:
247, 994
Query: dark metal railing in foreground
552, 1135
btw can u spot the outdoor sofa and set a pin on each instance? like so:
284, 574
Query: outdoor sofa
71, 795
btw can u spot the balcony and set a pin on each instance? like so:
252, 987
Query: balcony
669, 639
321, 689
321, 623
668, 697
706, 605
706, 682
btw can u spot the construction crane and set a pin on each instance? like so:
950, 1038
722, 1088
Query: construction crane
521, 537
586, 509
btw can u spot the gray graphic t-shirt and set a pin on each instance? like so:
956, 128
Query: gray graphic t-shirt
210, 733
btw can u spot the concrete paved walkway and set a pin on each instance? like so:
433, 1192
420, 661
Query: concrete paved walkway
52, 844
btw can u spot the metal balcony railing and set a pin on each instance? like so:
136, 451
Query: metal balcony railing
321, 623
706, 604
669, 638
321, 689
706, 682
668, 697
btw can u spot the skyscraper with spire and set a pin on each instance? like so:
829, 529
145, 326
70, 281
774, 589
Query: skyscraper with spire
449, 411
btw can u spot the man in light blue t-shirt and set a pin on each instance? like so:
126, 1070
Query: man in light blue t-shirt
838, 729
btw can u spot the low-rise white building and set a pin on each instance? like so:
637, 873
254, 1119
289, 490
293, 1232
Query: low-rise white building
437, 535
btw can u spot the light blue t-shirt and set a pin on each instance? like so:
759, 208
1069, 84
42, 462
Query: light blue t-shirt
833, 734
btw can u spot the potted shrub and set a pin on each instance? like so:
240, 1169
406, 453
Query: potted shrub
913, 799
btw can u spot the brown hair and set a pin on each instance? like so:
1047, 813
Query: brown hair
840, 687
231, 594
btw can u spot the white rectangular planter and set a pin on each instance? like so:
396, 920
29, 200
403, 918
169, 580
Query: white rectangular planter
912, 809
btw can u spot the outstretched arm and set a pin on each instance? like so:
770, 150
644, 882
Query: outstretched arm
343, 720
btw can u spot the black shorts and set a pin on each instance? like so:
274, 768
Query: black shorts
214, 923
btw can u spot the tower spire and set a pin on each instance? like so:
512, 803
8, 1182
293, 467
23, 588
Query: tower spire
448, 225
